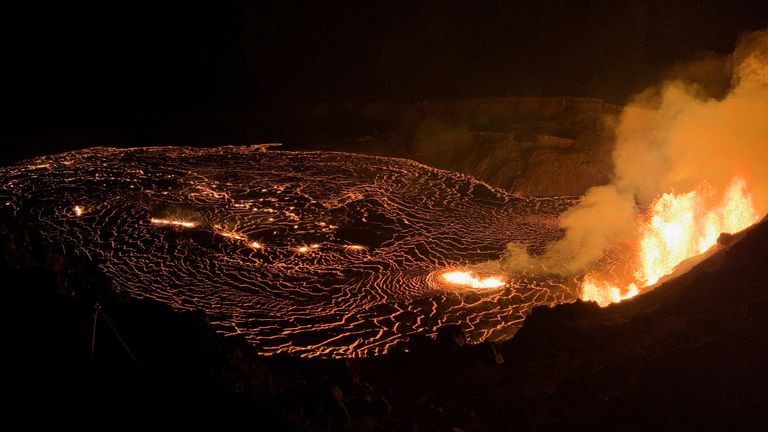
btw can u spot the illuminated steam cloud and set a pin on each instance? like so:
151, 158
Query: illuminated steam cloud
673, 139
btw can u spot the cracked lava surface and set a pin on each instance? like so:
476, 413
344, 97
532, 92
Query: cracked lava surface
308, 253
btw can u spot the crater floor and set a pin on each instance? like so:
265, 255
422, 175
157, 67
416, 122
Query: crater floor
308, 253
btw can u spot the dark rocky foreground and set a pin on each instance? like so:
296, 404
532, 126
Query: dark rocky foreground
691, 354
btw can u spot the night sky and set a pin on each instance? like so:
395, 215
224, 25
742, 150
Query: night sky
87, 65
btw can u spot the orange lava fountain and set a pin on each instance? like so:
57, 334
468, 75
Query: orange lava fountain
677, 227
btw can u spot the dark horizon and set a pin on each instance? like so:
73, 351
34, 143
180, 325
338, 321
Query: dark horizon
76, 70
233, 55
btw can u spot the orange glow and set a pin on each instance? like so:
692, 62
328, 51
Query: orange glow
469, 279
302, 249
604, 293
677, 227
175, 222
78, 210
229, 234
257, 245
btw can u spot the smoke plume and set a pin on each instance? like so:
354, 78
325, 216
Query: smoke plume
672, 137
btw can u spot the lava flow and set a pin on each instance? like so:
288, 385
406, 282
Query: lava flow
312, 254
678, 227
469, 279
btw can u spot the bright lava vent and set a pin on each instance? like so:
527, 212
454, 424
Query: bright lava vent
677, 227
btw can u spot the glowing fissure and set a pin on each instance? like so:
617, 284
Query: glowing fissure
677, 227
174, 222
230, 234
605, 293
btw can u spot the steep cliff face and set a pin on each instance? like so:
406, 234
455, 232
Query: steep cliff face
543, 146
688, 355
530, 146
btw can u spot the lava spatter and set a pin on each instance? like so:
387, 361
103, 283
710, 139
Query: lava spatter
313, 254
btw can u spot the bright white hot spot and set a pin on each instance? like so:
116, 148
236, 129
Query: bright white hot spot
469, 279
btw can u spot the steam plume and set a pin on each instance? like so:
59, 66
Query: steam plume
672, 137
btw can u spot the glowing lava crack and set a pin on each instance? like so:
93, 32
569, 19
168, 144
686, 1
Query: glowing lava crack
315, 254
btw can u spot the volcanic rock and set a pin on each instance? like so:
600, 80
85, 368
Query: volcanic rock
551, 146
331, 255
451, 337
530, 146
688, 355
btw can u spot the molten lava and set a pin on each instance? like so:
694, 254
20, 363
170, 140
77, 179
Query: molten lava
677, 227
310, 254
605, 293
173, 222
469, 279
229, 234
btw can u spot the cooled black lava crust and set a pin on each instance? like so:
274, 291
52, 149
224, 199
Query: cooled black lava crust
309, 253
